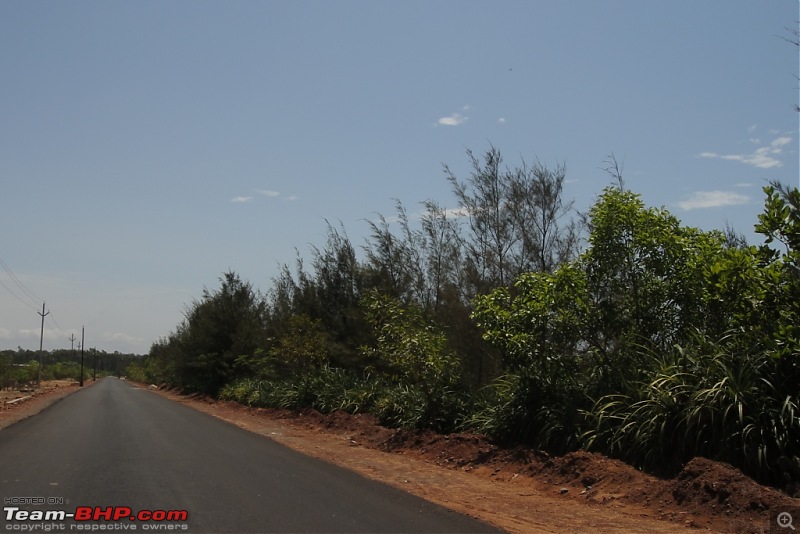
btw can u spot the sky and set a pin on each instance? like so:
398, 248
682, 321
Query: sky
148, 147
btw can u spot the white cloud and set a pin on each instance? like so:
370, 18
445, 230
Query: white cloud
712, 199
501, 120
267, 192
264, 193
780, 141
455, 119
764, 157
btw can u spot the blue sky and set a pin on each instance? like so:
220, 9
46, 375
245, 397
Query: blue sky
147, 147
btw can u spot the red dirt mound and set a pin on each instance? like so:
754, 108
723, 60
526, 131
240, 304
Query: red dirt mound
711, 493
721, 489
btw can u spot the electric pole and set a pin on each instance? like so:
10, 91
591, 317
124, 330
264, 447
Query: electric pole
82, 329
41, 340
72, 339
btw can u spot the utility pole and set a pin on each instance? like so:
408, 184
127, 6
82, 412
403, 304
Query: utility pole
41, 340
72, 339
82, 329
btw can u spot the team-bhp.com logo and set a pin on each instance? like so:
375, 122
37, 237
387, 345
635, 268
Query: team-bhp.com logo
87, 517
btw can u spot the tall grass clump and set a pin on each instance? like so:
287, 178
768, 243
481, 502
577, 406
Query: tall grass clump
722, 400
535, 410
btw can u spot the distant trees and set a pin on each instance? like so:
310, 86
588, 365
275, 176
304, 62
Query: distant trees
204, 353
22, 366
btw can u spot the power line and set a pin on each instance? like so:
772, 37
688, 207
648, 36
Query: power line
18, 297
28, 293
51, 319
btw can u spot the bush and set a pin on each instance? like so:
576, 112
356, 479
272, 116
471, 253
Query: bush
715, 399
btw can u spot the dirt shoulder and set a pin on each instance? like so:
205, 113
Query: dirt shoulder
17, 405
518, 490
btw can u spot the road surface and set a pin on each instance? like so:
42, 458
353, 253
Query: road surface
114, 448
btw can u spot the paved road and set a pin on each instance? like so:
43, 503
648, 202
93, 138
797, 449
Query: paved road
115, 445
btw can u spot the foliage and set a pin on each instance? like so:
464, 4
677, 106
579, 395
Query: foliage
514, 219
534, 409
301, 348
537, 402
780, 221
657, 343
28, 373
136, 373
644, 275
203, 354
413, 353
711, 398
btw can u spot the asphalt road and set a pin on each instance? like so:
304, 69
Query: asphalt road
115, 445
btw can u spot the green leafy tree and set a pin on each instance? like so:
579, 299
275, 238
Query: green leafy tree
645, 275
727, 386
302, 349
204, 353
537, 326
780, 223
413, 353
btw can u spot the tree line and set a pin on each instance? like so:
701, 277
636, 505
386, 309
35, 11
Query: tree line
648, 340
21, 367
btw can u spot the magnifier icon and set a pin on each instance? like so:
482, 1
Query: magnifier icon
785, 520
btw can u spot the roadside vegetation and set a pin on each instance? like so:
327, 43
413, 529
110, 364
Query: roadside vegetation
619, 330
20, 368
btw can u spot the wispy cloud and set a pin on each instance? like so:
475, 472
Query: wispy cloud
712, 199
501, 120
455, 119
765, 157
267, 192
